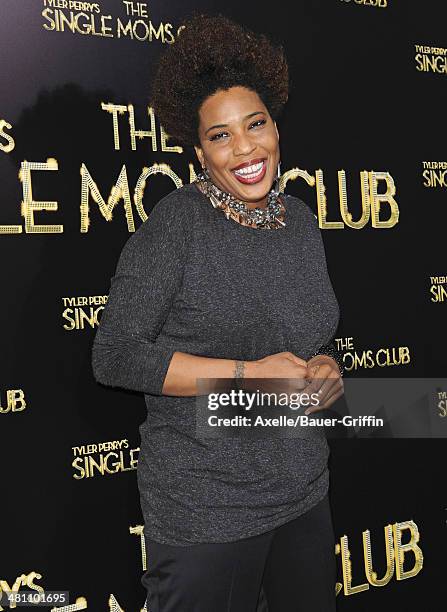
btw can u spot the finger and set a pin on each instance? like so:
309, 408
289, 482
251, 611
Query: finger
313, 370
333, 399
322, 394
328, 387
298, 382
296, 359
323, 371
318, 359
318, 408
317, 379
334, 389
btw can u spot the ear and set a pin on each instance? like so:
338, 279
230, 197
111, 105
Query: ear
276, 128
200, 156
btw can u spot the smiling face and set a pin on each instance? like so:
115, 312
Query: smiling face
239, 144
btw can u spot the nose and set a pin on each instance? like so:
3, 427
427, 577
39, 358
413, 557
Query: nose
242, 144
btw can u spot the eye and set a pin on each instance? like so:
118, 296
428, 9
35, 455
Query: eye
216, 136
260, 121
257, 123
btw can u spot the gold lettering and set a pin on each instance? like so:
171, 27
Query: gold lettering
115, 109
141, 184
377, 199
11, 143
371, 575
347, 569
119, 191
402, 549
366, 204
152, 133
322, 204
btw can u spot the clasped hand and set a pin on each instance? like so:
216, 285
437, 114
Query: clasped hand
318, 375
325, 379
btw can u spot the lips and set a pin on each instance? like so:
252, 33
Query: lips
250, 172
248, 163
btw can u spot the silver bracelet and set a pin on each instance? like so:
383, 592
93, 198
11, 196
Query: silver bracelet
239, 368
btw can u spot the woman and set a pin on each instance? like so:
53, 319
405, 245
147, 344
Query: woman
226, 279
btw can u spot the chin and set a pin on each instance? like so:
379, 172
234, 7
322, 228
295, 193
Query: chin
255, 192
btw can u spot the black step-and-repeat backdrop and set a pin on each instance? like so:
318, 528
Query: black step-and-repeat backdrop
83, 159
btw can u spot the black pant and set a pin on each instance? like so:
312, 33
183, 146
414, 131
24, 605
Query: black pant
293, 564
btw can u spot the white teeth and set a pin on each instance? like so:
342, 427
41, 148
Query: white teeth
250, 170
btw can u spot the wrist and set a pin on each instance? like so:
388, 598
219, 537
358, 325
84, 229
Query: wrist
243, 372
251, 369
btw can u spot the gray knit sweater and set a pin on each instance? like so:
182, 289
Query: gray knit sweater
191, 280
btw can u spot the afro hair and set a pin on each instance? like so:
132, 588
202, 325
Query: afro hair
214, 53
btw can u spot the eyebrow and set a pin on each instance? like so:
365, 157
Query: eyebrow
226, 124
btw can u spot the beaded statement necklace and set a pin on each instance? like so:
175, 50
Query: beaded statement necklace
270, 217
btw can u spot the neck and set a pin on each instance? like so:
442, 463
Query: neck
260, 204
250, 205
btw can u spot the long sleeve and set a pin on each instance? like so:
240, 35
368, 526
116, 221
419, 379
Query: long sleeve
125, 351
